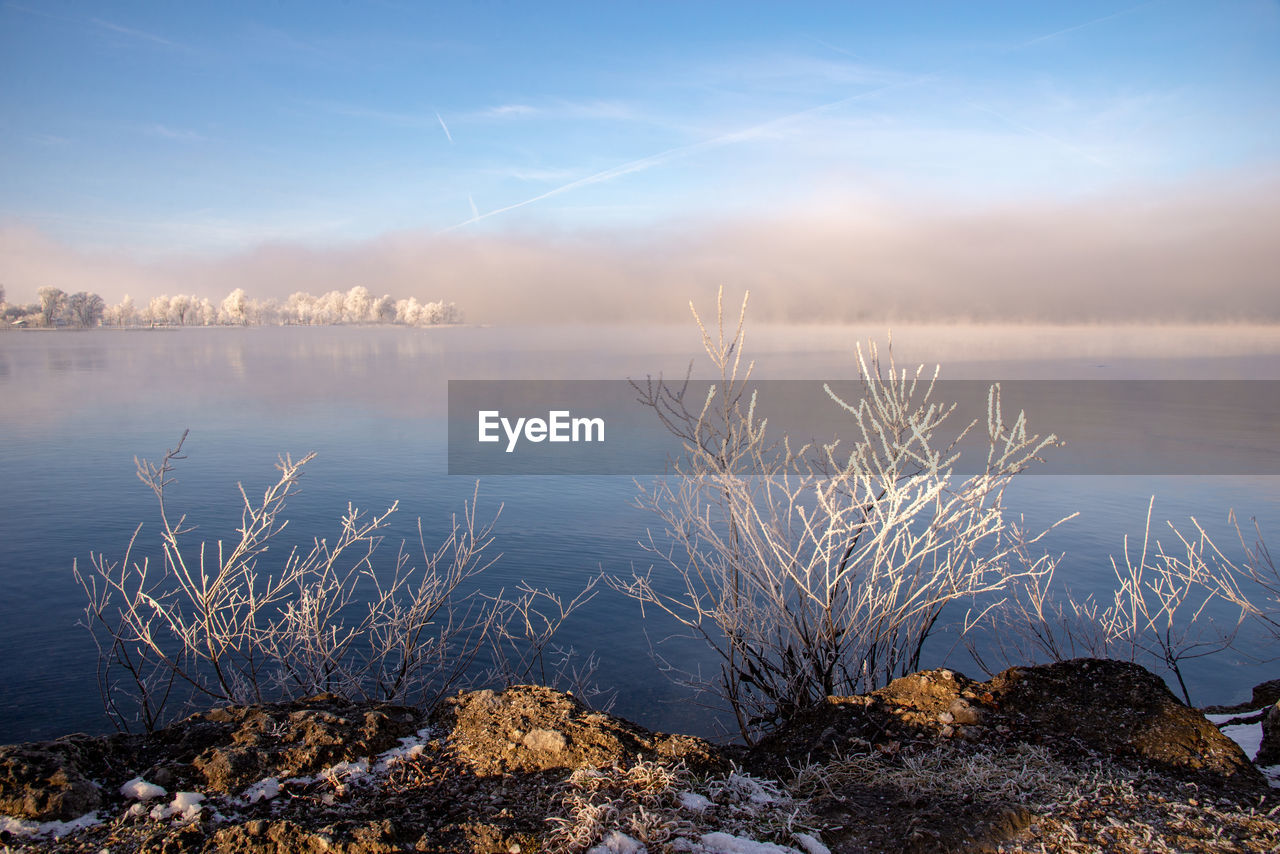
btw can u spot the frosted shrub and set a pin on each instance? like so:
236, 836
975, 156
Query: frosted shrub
212, 623
1160, 610
1159, 614
818, 571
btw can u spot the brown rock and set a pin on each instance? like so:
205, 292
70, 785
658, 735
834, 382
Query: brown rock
544, 739
296, 739
1266, 694
1075, 708
962, 712
50, 780
556, 731
1117, 709
494, 765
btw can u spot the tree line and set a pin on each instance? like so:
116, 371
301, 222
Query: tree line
56, 308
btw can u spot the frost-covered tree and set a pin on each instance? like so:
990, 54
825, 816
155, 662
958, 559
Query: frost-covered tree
125, 313
356, 305
262, 312
180, 308
206, 313
299, 308
235, 308
329, 307
85, 309
407, 311
384, 309
15, 312
413, 313
442, 312
157, 310
52, 302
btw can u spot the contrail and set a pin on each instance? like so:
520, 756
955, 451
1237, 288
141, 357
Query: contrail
682, 151
475, 212
445, 127
1063, 32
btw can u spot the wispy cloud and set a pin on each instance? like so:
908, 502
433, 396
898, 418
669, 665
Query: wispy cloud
137, 34
790, 75
506, 111
392, 117
829, 46
180, 134
445, 128
596, 109
534, 175
49, 139
110, 26
1061, 143
560, 108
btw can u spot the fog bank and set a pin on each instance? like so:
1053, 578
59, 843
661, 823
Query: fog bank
1182, 254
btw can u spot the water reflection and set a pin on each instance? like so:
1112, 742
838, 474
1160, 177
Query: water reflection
77, 407
81, 359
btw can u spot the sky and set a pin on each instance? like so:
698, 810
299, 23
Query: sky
592, 161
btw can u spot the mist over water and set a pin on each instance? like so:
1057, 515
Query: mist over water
1199, 251
77, 407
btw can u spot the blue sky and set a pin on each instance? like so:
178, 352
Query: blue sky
208, 129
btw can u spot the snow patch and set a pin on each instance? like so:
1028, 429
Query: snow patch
140, 790
410, 748
263, 790
811, 844
362, 772
346, 772
618, 843
726, 843
184, 807
56, 829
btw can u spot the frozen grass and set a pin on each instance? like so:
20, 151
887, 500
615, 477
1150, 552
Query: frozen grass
1078, 807
666, 808
1022, 775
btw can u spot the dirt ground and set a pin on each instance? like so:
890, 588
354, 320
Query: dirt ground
1080, 756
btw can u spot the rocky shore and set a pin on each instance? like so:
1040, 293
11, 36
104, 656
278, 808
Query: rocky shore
1085, 755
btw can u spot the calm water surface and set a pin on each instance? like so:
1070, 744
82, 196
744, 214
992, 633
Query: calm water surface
75, 408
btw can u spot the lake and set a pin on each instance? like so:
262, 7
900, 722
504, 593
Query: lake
77, 407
